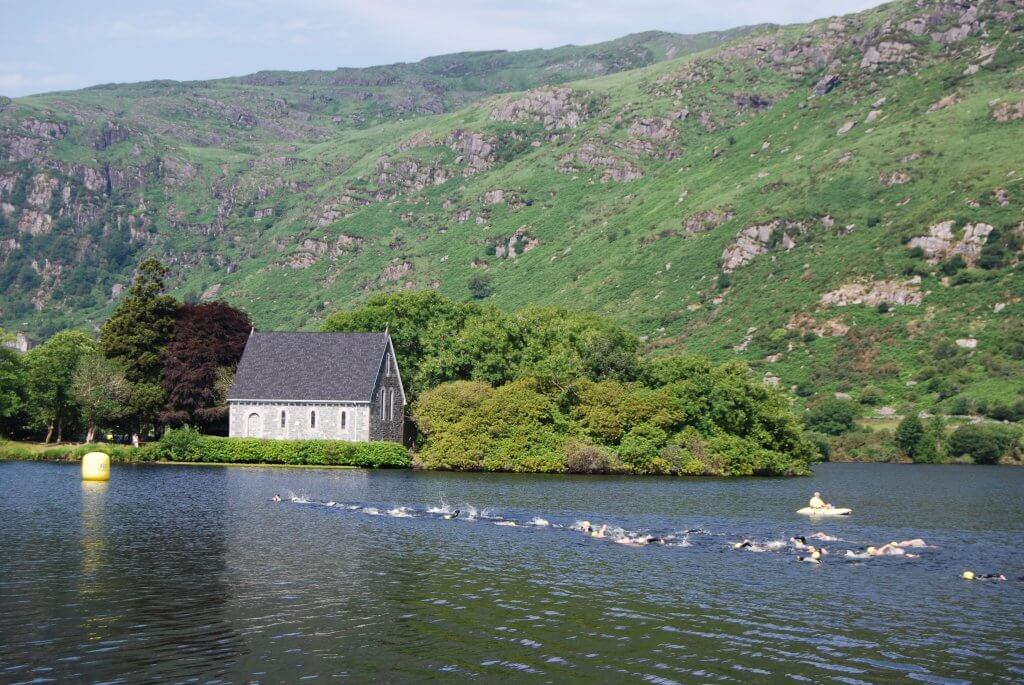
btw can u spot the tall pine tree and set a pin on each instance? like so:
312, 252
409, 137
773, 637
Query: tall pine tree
137, 336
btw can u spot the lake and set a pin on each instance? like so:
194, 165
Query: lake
190, 572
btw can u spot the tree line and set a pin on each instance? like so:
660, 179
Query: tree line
549, 389
156, 362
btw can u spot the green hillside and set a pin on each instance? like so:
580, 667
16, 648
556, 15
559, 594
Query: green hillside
837, 203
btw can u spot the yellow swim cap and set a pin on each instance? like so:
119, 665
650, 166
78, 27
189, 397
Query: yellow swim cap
968, 575
871, 550
816, 555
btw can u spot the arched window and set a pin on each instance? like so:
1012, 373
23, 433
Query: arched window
382, 394
284, 419
312, 419
344, 419
391, 405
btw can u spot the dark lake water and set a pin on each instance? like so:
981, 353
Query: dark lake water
192, 573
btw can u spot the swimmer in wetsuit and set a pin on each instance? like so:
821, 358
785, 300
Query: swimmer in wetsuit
275, 498
453, 515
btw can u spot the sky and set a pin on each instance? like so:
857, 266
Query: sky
48, 45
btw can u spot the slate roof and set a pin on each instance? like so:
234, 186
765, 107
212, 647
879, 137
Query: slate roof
309, 367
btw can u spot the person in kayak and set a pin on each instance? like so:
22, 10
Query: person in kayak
816, 502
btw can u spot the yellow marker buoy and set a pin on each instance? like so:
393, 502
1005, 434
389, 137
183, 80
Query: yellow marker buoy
96, 466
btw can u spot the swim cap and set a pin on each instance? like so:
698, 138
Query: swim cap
816, 555
872, 550
968, 575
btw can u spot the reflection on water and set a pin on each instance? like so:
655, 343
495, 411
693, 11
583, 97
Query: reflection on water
171, 573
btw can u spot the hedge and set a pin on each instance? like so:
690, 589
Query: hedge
189, 446
20, 452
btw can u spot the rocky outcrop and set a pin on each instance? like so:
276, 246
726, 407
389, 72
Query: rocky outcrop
45, 129
516, 244
894, 178
395, 271
806, 323
944, 102
654, 128
554, 108
1009, 111
612, 168
941, 243
110, 134
826, 84
707, 220
474, 150
874, 293
309, 251
886, 53
757, 240
407, 175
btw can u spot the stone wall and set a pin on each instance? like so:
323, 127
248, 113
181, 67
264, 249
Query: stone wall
298, 426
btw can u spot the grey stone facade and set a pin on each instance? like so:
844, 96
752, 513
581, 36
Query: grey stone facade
300, 421
328, 396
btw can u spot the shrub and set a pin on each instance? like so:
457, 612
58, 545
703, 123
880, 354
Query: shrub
185, 445
871, 395
983, 443
875, 446
640, 446
822, 444
582, 457
883, 307
834, 417
480, 286
724, 280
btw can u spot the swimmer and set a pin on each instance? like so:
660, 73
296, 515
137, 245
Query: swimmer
453, 515
600, 532
850, 554
824, 537
816, 502
584, 527
890, 549
275, 498
799, 541
743, 545
813, 559
971, 575
916, 542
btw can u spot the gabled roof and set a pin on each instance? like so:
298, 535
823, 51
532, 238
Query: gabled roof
339, 367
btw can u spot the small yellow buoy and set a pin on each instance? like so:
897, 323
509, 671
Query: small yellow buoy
96, 466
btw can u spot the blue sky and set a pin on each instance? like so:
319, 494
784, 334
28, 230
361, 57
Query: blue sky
50, 45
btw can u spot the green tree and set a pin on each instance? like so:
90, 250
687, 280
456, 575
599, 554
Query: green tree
138, 334
12, 381
419, 322
100, 390
834, 417
984, 444
51, 371
932, 448
908, 434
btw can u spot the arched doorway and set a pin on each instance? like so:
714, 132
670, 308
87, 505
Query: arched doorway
252, 426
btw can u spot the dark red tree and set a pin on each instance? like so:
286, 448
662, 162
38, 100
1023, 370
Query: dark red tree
207, 337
